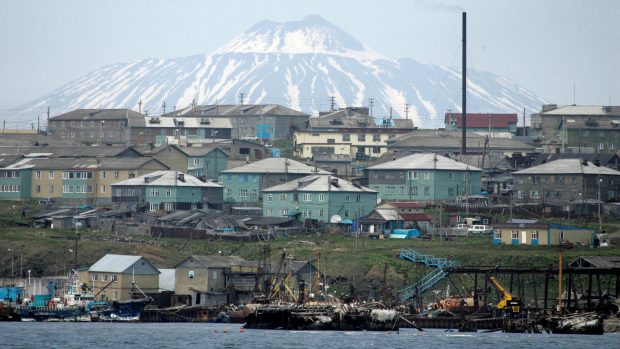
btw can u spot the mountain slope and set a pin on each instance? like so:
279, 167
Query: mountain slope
299, 64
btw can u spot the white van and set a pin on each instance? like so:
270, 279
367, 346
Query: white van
478, 229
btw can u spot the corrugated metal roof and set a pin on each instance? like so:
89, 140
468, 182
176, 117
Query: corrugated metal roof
276, 165
114, 263
186, 121
425, 161
319, 183
167, 178
592, 110
479, 120
568, 166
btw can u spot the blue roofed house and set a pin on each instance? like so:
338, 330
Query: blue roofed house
244, 183
323, 198
114, 275
424, 177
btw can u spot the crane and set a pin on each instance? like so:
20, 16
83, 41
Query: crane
508, 302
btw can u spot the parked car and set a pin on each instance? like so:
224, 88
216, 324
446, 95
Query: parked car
478, 229
46, 201
459, 229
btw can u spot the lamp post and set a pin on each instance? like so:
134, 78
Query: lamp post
12, 253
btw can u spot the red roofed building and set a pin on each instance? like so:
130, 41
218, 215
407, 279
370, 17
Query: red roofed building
483, 122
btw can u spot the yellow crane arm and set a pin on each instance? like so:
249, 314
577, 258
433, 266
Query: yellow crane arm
506, 296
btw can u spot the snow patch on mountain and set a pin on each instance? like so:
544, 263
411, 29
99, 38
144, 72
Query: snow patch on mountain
300, 64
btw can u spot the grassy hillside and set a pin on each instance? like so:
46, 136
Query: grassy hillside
353, 267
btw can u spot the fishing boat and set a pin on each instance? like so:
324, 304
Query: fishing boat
584, 323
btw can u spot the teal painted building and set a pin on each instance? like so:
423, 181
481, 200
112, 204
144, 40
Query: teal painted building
165, 191
15, 182
245, 183
205, 163
424, 177
319, 197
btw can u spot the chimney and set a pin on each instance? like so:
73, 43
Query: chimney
181, 177
548, 107
584, 162
597, 162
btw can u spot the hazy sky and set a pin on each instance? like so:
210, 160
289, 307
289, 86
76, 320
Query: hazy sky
547, 46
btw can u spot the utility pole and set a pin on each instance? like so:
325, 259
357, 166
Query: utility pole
407, 111
371, 102
332, 100
38, 124
464, 87
164, 105
241, 95
524, 133
140, 107
600, 221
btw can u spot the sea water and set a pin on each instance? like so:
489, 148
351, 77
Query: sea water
202, 335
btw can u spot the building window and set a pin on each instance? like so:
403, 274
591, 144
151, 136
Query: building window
104, 277
168, 192
413, 175
427, 175
451, 176
515, 234
254, 193
307, 197
283, 212
269, 197
196, 161
520, 194
535, 235
497, 234
427, 191
116, 174
94, 277
346, 137
347, 197
50, 174
118, 192
321, 197
413, 190
450, 191
388, 190
401, 190
229, 192
376, 150
102, 175
534, 194
243, 193
38, 188
193, 193
169, 206
321, 212
307, 213
269, 213
103, 188
282, 197
50, 190
37, 174
190, 274
153, 207
361, 137
601, 146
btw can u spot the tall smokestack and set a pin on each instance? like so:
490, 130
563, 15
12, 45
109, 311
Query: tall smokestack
464, 72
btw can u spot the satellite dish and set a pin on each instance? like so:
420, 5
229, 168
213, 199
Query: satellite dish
378, 199
335, 219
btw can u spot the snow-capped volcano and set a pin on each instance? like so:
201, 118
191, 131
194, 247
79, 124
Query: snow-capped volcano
299, 64
312, 35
